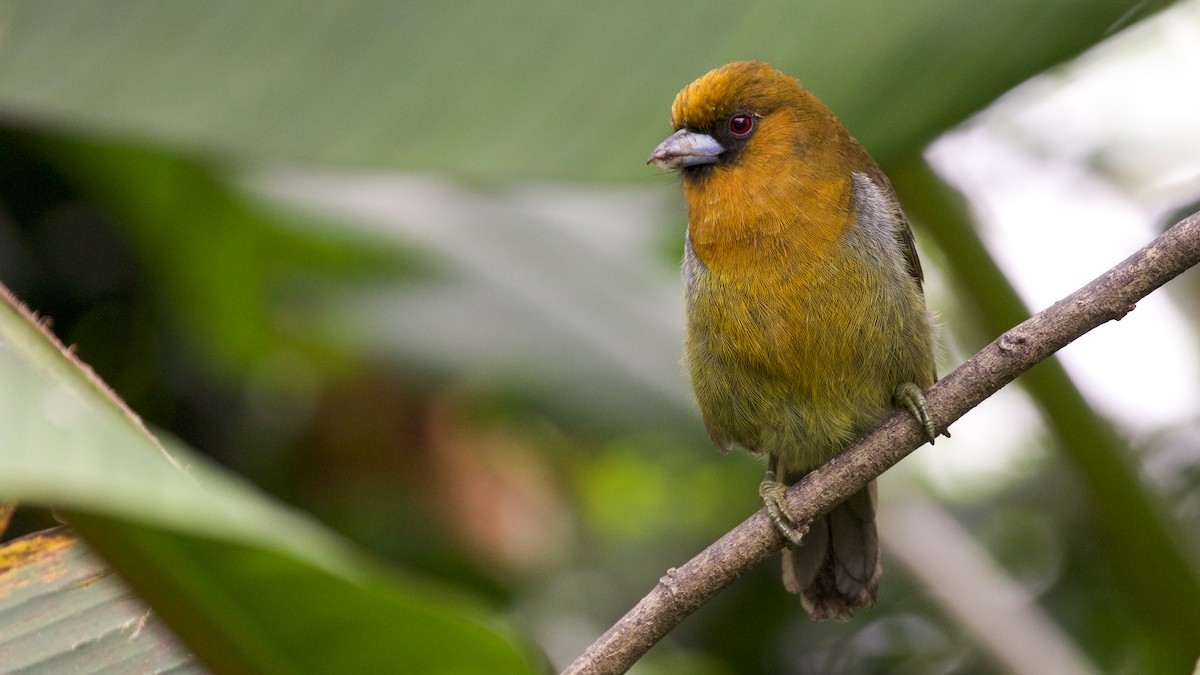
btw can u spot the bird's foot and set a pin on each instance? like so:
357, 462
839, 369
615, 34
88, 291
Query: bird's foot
772, 493
911, 397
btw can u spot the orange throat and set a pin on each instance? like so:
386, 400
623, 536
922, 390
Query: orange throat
734, 228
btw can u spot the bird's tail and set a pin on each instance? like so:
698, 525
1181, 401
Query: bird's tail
836, 569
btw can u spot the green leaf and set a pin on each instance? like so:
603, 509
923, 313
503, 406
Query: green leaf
62, 610
221, 260
246, 608
527, 88
251, 585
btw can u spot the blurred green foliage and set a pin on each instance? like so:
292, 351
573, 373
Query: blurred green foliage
468, 371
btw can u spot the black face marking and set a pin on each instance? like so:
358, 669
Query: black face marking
725, 130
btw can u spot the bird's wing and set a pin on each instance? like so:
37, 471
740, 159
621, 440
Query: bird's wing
884, 197
909, 246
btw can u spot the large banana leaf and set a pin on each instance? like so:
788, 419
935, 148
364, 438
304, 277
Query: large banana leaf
250, 585
499, 90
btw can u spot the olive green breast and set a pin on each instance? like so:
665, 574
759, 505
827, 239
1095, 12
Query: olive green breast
797, 357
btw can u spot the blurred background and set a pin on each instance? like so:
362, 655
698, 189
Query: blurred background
402, 265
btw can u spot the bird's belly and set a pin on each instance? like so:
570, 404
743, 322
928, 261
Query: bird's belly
796, 378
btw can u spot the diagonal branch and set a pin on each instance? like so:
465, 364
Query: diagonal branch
682, 590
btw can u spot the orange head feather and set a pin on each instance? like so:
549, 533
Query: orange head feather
796, 153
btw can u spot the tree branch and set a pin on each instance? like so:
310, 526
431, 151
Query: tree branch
682, 590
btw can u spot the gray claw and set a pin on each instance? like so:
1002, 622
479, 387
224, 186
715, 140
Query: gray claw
910, 395
772, 493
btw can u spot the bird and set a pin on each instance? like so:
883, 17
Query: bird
806, 322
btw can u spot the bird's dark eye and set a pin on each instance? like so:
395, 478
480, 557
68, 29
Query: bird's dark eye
741, 124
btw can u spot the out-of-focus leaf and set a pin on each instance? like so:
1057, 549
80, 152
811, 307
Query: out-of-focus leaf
243, 285
566, 280
246, 608
532, 88
251, 585
552, 286
63, 610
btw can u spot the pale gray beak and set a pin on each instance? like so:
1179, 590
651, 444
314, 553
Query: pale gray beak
686, 148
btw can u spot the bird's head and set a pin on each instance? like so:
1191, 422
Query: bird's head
759, 155
742, 113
